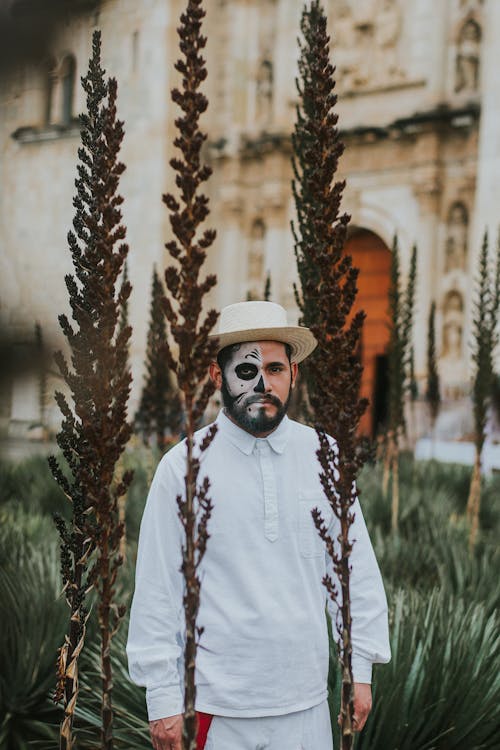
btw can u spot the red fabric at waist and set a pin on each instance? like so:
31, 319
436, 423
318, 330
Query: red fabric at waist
204, 721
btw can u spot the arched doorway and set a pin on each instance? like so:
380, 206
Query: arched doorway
373, 258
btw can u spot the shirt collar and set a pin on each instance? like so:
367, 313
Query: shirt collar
246, 442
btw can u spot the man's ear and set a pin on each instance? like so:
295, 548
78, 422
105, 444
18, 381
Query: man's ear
215, 374
294, 370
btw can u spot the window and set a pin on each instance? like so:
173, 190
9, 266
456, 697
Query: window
67, 73
50, 75
56, 113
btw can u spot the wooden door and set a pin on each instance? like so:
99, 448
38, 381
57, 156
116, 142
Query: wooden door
372, 256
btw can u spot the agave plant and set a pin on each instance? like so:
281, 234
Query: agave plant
30, 484
433, 535
142, 462
442, 688
431, 551
33, 620
474, 577
131, 727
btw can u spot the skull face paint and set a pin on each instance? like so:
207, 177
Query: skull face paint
247, 386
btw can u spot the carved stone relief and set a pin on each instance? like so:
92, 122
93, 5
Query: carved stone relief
453, 313
470, 5
255, 272
387, 33
456, 238
367, 35
264, 73
468, 57
264, 90
222, 65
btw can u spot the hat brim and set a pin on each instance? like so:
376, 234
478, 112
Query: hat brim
300, 339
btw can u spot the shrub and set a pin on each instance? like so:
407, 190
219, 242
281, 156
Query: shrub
142, 461
33, 618
30, 484
442, 688
130, 726
431, 548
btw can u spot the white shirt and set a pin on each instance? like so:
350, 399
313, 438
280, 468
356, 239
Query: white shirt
264, 649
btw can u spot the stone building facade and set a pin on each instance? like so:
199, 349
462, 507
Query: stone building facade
419, 112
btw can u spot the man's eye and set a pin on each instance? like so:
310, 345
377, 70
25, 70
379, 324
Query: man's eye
246, 372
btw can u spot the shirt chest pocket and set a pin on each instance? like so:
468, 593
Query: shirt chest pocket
310, 542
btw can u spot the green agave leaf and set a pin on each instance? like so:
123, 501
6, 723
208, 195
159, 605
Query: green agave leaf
33, 622
443, 691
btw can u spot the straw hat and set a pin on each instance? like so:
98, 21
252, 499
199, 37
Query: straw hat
262, 321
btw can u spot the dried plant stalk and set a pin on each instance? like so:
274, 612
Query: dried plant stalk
401, 306
328, 290
485, 343
432, 394
160, 407
189, 327
95, 431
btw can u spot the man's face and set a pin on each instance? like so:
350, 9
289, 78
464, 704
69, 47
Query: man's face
256, 385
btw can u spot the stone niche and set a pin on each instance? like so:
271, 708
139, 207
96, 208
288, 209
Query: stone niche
452, 365
468, 57
457, 227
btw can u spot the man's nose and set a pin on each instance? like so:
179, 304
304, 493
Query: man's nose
261, 386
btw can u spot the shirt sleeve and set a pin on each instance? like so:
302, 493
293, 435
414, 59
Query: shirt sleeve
156, 632
370, 630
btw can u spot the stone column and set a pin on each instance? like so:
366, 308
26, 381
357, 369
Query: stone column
486, 214
279, 260
488, 168
231, 243
285, 57
427, 189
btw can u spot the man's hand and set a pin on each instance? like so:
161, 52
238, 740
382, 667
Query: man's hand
166, 734
362, 704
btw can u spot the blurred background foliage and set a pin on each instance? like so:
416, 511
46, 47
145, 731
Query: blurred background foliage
441, 689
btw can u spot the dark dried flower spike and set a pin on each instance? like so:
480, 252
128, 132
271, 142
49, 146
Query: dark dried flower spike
95, 431
432, 393
160, 407
401, 309
328, 290
484, 347
188, 327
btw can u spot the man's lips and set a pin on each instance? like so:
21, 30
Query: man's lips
268, 400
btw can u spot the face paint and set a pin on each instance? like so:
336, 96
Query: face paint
246, 392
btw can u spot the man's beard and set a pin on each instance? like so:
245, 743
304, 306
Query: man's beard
258, 421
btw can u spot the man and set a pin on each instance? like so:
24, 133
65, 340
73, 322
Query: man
262, 664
